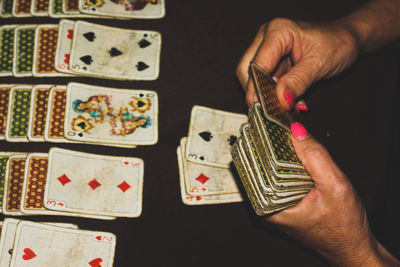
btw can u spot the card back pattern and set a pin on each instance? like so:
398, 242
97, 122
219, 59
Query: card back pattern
15, 182
24, 52
40, 112
4, 98
6, 7
47, 44
41, 6
23, 7
34, 196
3, 165
6, 50
57, 113
21, 100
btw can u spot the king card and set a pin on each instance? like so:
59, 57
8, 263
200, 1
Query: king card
108, 52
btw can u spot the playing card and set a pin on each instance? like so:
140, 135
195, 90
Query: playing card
6, 8
211, 135
24, 41
55, 9
4, 99
71, 7
116, 116
144, 9
18, 113
206, 180
13, 184
3, 170
6, 49
97, 184
21, 8
46, 37
108, 52
64, 42
40, 7
266, 91
38, 112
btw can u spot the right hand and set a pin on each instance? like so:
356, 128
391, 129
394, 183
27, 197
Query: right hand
297, 54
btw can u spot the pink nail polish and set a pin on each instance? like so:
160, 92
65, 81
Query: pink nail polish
301, 108
298, 131
289, 98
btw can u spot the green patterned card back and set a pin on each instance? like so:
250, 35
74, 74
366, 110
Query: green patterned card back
6, 8
23, 57
6, 49
3, 165
57, 7
19, 113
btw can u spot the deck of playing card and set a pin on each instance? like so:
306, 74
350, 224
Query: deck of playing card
100, 187
79, 48
204, 160
272, 175
117, 9
25, 243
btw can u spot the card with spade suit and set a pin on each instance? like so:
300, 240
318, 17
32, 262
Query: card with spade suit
108, 52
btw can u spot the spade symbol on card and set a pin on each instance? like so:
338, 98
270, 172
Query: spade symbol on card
207, 136
144, 43
86, 59
140, 103
114, 52
232, 140
141, 66
90, 36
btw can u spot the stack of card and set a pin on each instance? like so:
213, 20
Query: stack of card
78, 113
129, 9
70, 183
25, 243
205, 163
272, 175
79, 48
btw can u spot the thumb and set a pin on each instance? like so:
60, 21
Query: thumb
316, 159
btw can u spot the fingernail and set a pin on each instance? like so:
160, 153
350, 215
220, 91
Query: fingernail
301, 107
298, 131
289, 98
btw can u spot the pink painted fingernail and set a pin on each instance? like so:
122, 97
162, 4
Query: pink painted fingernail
289, 98
301, 107
298, 131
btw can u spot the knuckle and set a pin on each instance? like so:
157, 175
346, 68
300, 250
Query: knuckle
241, 70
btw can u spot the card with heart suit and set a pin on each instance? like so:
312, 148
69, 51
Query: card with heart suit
107, 115
211, 135
206, 180
22, 8
40, 7
108, 52
38, 112
4, 101
24, 42
34, 245
6, 49
18, 113
102, 185
64, 42
147, 9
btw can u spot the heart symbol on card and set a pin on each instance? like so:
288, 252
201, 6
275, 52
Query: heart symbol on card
29, 254
70, 33
96, 262
66, 58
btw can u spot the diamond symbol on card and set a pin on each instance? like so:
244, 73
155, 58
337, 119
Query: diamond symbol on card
124, 186
94, 184
202, 178
63, 179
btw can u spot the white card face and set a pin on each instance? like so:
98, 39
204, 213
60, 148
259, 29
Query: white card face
125, 9
211, 136
65, 34
207, 180
108, 52
94, 184
7, 240
41, 245
106, 115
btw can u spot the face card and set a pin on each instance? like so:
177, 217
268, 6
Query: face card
4, 99
66, 31
147, 9
18, 113
108, 52
24, 42
15, 173
6, 8
6, 49
40, 7
110, 186
206, 180
211, 135
266, 91
21, 8
38, 112
119, 116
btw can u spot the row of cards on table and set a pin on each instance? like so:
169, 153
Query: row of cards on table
79, 48
135, 9
33, 244
71, 183
78, 113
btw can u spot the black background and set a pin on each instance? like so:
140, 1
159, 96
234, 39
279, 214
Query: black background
202, 42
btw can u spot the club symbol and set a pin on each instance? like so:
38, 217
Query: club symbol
114, 52
90, 36
86, 59
144, 43
207, 136
232, 140
141, 66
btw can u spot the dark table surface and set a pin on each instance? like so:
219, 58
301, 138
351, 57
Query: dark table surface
202, 41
